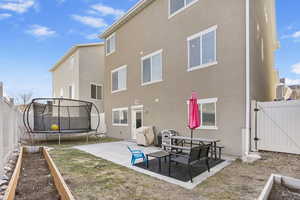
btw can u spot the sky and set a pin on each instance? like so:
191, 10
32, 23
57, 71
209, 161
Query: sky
35, 34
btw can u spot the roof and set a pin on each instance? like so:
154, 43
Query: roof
137, 8
71, 51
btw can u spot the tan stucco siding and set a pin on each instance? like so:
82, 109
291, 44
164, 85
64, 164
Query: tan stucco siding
91, 71
263, 44
65, 75
88, 68
165, 102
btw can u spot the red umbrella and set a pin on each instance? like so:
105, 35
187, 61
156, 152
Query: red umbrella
194, 117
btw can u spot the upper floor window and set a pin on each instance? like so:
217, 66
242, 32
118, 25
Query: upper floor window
119, 79
111, 44
152, 68
175, 6
202, 49
96, 91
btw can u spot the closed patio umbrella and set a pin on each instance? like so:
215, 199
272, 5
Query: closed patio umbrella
194, 117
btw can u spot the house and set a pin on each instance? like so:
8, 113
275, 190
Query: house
161, 51
295, 92
79, 74
283, 91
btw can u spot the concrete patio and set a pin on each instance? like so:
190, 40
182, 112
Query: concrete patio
117, 152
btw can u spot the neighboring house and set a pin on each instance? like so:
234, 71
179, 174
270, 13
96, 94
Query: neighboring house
295, 92
79, 74
161, 51
283, 91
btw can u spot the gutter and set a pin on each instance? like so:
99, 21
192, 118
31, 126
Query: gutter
246, 137
140, 5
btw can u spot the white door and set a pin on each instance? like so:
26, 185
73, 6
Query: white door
137, 120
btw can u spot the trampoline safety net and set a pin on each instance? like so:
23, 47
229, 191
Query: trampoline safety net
61, 115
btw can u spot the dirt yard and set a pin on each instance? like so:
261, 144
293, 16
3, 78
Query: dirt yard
92, 178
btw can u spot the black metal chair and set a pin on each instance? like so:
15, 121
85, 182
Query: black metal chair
197, 154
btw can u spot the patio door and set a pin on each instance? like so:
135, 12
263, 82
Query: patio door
136, 119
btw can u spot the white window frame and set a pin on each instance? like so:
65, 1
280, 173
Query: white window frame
111, 50
181, 9
111, 82
99, 85
197, 35
142, 67
119, 110
200, 102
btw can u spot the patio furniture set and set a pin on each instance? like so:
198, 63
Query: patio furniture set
188, 151
182, 150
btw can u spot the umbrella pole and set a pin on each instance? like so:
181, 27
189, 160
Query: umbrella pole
191, 138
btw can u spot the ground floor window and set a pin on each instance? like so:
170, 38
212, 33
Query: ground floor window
208, 113
120, 116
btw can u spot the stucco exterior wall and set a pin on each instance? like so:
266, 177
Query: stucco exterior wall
88, 68
65, 75
91, 71
164, 103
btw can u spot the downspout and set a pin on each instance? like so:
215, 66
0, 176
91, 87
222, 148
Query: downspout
247, 111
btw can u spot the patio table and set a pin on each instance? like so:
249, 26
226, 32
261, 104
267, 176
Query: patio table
212, 142
158, 155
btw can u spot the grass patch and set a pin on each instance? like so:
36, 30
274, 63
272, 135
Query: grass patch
93, 178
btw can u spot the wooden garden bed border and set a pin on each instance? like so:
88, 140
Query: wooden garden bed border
59, 182
12, 186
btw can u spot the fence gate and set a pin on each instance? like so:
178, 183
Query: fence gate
278, 126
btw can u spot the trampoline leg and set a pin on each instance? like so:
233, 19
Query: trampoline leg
87, 138
59, 139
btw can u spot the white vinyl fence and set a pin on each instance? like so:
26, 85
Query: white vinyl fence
278, 126
11, 128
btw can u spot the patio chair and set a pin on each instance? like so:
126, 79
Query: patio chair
136, 154
197, 154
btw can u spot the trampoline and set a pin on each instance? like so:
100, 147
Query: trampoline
60, 117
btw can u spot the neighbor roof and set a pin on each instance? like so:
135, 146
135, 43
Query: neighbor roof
137, 8
71, 51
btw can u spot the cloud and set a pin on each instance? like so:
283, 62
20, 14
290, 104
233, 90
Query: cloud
94, 22
18, 6
40, 31
106, 10
296, 68
4, 15
61, 1
295, 35
292, 81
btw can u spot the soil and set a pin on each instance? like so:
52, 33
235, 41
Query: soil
35, 181
282, 192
